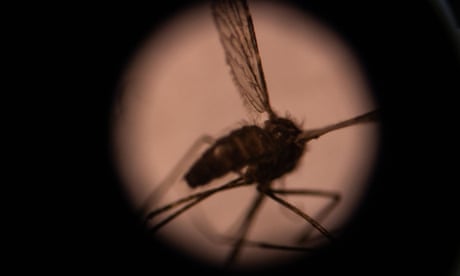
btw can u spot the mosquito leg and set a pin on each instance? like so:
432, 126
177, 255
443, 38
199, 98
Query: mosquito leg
297, 211
334, 196
178, 212
213, 235
192, 199
244, 228
266, 245
223, 239
176, 172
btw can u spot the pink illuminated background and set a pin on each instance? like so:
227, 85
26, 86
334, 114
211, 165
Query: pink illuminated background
179, 87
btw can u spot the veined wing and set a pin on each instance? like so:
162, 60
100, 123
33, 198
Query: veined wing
238, 38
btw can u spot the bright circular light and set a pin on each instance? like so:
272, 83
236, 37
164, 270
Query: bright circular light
179, 87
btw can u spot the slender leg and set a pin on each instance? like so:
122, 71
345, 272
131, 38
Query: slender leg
244, 228
334, 196
217, 238
175, 173
297, 211
266, 245
213, 235
192, 199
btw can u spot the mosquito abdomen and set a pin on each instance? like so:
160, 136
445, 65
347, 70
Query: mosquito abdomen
230, 153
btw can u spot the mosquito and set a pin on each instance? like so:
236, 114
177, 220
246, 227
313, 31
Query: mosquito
260, 153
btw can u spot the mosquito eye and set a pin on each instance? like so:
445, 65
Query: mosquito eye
279, 134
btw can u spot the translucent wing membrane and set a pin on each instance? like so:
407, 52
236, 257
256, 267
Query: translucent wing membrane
236, 32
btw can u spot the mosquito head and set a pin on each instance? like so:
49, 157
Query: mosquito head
282, 130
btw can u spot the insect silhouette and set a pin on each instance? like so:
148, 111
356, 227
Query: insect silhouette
258, 154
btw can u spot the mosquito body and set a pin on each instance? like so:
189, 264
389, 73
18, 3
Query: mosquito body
259, 154
267, 153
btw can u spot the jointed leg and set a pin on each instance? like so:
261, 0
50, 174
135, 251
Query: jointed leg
193, 200
257, 244
244, 228
297, 211
176, 172
241, 241
334, 196
213, 236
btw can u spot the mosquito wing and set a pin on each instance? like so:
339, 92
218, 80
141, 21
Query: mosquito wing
237, 36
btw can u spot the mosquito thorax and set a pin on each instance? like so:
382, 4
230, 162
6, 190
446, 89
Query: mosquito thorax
285, 154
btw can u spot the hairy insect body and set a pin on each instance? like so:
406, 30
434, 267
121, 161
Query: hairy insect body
267, 152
